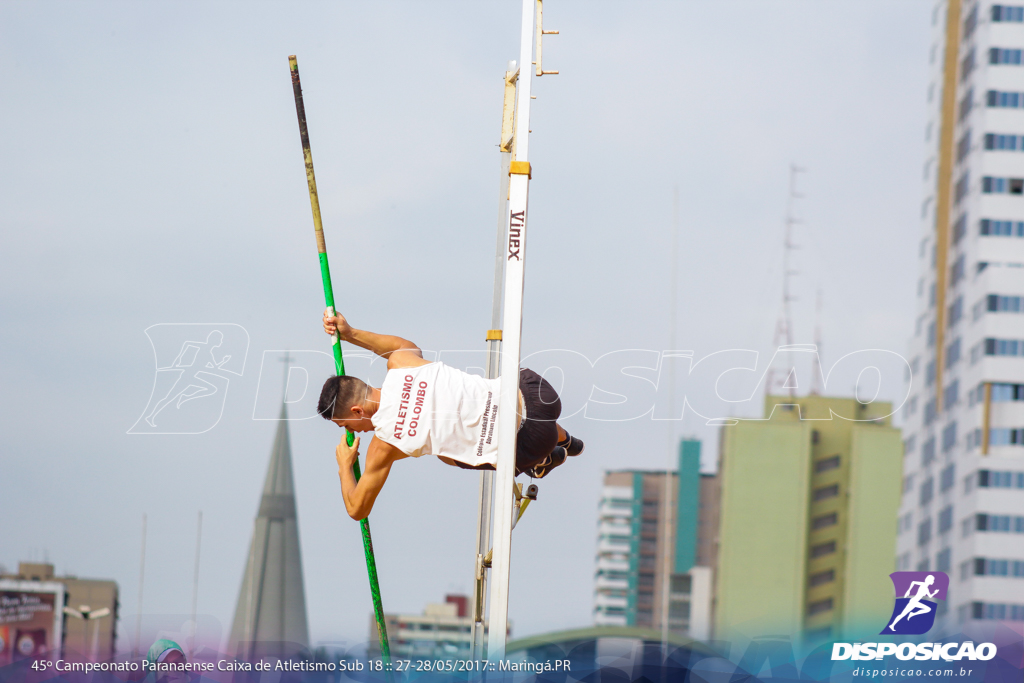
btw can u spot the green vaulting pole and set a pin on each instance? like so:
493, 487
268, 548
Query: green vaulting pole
339, 362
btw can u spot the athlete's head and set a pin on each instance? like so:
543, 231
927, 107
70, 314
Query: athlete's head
345, 402
930, 579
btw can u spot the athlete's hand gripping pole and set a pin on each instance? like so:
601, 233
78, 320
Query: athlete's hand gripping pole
339, 362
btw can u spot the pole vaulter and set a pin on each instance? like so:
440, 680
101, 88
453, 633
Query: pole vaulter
507, 425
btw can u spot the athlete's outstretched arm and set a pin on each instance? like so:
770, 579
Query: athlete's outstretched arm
381, 344
360, 496
910, 589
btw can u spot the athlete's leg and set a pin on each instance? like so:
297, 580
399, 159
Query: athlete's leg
570, 443
163, 403
902, 614
921, 609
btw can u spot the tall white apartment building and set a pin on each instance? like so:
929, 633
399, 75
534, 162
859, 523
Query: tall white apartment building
962, 510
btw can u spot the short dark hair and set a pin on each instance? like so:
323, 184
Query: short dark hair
338, 396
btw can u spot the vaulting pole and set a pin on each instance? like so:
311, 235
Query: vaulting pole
515, 252
339, 363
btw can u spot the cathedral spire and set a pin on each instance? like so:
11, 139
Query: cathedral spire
271, 604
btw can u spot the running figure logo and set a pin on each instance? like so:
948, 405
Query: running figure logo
192, 362
914, 613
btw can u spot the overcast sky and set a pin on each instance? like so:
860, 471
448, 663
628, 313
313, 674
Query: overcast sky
150, 172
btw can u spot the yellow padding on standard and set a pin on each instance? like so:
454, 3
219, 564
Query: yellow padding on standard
520, 168
493, 334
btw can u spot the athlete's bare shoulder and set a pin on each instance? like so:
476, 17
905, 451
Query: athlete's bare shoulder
382, 453
406, 358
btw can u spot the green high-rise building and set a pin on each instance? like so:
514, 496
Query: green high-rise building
809, 503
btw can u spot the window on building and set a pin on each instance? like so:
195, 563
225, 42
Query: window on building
1001, 228
991, 185
826, 464
970, 23
823, 549
824, 521
819, 607
1007, 13
826, 492
945, 519
943, 560
989, 567
1004, 347
978, 310
679, 609
947, 478
959, 228
962, 187
924, 532
1000, 523
1000, 479
998, 142
949, 436
928, 449
1002, 392
963, 148
957, 270
681, 583
967, 66
927, 491
1001, 55
1002, 99
951, 394
997, 303
1001, 436
955, 312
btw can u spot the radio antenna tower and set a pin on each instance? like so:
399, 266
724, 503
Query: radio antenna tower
817, 372
784, 325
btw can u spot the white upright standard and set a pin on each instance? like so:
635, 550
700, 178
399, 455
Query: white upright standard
519, 187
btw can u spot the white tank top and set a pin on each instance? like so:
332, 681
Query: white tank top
435, 409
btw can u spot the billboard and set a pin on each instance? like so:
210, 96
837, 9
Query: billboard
31, 619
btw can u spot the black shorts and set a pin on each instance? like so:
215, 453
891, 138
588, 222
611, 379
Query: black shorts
538, 433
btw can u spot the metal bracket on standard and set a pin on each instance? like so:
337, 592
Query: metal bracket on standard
540, 39
523, 498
